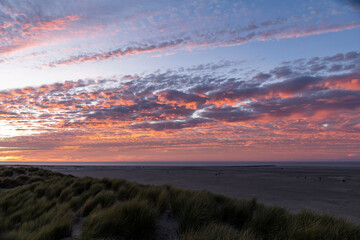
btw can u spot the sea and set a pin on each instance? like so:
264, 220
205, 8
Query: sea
194, 163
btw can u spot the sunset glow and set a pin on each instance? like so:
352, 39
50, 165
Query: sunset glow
93, 81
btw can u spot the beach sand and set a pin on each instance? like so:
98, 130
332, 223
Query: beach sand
331, 190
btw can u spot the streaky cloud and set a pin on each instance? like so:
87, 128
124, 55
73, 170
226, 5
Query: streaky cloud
189, 41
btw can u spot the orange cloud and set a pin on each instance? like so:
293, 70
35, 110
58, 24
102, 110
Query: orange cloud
163, 114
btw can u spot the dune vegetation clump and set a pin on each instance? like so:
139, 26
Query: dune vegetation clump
133, 219
40, 204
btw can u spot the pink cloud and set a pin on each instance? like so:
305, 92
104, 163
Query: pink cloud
32, 34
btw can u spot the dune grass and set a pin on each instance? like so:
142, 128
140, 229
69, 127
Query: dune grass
133, 219
40, 204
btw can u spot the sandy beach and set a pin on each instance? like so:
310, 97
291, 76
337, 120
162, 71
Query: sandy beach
331, 190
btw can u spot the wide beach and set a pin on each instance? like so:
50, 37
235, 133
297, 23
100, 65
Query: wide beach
325, 189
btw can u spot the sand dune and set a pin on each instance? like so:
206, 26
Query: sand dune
332, 190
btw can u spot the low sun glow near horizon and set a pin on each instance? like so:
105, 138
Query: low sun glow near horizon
112, 81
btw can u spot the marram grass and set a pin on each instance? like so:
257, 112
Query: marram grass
40, 204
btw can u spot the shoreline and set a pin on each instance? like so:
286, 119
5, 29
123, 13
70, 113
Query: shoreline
192, 164
325, 190
50, 205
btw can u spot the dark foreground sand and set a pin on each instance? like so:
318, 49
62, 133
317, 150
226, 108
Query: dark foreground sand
333, 190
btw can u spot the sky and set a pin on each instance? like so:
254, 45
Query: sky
199, 80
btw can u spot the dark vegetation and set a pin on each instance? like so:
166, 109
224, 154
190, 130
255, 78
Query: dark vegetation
40, 204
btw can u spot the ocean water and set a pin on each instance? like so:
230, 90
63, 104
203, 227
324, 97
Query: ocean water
196, 163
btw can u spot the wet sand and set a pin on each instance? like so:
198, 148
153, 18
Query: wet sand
331, 190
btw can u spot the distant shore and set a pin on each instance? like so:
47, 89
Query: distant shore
190, 163
324, 189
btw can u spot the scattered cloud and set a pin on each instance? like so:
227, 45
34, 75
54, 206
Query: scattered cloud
20, 32
253, 107
177, 100
189, 41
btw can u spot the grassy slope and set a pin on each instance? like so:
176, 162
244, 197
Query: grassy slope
40, 204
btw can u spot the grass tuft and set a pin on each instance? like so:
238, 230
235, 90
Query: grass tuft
133, 219
213, 232
103, 199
